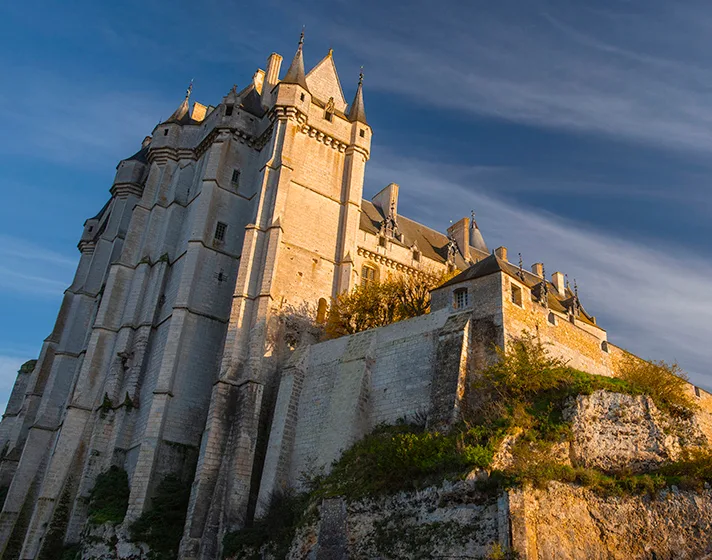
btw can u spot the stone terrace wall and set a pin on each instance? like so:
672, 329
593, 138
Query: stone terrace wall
333, 393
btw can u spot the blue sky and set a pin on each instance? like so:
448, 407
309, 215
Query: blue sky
580, 133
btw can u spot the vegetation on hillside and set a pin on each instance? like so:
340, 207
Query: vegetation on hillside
109, 498
524, 392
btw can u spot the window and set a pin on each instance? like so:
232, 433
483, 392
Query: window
516, 295
382, 241
235, 178
362, 133
368, 275
416, 256
697, 392
228, 110
91, 228
165, 132
551, 318
459, 298
321, 311
220, 231
328, 116
301, 97
604, 346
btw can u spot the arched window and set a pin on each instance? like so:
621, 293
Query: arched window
604, 346
551, 318
368, 274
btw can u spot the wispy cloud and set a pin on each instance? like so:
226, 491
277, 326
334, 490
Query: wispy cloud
29, 268
654, 301
632, 76
64, 121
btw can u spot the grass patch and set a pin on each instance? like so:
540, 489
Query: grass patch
161, 527
406, 457
109, 498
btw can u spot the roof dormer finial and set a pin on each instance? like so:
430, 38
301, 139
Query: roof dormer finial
301, 36
360, 76
189, 90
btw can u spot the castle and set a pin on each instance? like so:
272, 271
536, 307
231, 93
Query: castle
160, 360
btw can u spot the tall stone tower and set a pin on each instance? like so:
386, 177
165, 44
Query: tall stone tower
159, 362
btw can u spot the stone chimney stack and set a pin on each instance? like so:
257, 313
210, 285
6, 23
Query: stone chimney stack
538, 269
274, 63
501, 253
460, 232
558, 280
387, 199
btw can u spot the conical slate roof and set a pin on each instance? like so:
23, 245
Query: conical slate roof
476, 239
357, 112
182, 114
295, 74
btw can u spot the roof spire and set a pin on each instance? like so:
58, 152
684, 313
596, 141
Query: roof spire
182, 113
520, 272
357, 112
295, 74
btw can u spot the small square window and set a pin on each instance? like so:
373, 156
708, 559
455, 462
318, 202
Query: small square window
228, 110
362, 133
551, 318
220, 231
382, 241
165, 132
235, 178
301, 97
460, 299
328, 116
516, 295
91, 228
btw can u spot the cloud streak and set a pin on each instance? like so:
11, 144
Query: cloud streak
31, 269
654, 301
628, 75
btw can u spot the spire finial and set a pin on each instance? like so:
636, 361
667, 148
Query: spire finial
301, 37
360, 76
189, 90
575, 288
520, 272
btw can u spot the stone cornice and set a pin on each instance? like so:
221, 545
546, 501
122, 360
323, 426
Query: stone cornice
323, 137
390, 263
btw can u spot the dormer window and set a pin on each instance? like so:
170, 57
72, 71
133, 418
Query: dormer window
228, 110
235, 178
460, 298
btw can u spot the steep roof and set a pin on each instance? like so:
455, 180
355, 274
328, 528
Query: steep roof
493, 264
432, 244
295, 74
323, 82
357, 112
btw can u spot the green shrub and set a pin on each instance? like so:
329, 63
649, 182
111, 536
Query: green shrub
161, 527
665, 383
276, 530
109, 498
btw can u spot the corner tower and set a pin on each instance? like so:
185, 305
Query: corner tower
298, 249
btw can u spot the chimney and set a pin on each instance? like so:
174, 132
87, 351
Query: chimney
387, 199
460, 232
501, 253
558, 280
271, 79
538, 269
199, 111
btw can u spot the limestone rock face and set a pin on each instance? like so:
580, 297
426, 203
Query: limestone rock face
613, 431
565, 521
111, 542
